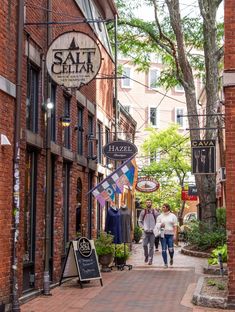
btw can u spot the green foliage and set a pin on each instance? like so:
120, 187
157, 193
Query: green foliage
104, 244
221, 217
173, 154
211, 282
203, 237
215, 254
137, 234
122, 251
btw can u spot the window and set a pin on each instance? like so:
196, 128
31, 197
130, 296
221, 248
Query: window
80, 131
100, 144
91, 136
67, 143
126, 82
179, 88
53, 113
107, 140
32, 99
127, 108
154, 75
154, 116
178, 117
66, 202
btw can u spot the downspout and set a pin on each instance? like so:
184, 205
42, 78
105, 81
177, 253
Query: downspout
16, 164
46, 276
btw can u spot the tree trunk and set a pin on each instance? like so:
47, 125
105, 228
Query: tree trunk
206, 184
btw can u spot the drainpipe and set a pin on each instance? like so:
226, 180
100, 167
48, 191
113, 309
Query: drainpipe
46, 276
16, 164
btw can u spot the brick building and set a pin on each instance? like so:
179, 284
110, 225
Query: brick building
229, 94
56, 174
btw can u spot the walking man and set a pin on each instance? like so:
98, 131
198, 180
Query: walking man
147, 221
167, 225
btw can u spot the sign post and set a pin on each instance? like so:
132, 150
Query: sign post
81, 261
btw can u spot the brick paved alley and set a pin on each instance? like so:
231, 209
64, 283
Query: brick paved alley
144, 288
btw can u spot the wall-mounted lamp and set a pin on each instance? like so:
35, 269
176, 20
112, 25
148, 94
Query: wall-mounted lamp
110, 166
94, 157
4, 140
91, 137
65, 120
49, 105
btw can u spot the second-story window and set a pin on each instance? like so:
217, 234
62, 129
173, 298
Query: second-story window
67, 142
53, 113
107, 140
154, 116
80, 131
153, 78
100, 144
32, 100
126, 82
179, 112
91, 136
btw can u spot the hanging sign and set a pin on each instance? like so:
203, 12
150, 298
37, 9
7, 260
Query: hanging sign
203, 156
81, 261
73, 59
186, 197
192, 190
147, 185
119, 150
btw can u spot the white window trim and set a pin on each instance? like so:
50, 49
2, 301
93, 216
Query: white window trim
184, 121
149, 80
179, 90
122, 81
158, 116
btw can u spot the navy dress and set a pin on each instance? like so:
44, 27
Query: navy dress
113, 225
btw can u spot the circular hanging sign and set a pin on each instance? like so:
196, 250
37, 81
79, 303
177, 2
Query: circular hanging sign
84, 247
73, 59
147, 185
119, 150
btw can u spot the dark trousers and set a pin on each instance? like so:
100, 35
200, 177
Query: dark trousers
156, 242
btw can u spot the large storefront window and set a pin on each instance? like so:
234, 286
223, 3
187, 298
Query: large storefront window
66, 199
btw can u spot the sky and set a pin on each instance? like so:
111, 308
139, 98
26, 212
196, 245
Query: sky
188, 7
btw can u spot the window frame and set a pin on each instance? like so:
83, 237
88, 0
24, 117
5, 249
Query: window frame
126, 79
158, 72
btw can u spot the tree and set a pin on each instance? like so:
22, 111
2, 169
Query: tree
176, 38
172, 166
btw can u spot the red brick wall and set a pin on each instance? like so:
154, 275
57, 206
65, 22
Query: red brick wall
229, 63
98, 92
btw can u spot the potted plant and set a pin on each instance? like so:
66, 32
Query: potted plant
121, 254
137, 234
105, 250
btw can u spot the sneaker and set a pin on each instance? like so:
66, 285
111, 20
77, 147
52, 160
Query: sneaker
146, 259
150, 262
171, 261
165, 266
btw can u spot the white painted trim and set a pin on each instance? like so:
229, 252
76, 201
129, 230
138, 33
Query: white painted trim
228, 79
34, 54
7, 86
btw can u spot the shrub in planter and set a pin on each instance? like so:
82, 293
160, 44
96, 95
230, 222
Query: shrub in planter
215, 254
137, 234
105, 250
121, 253
202, 237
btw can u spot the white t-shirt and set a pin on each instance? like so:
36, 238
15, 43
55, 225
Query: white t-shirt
170, 221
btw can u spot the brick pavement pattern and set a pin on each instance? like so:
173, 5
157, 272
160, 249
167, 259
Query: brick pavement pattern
143, 289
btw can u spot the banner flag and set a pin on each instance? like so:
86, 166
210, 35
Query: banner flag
124, 175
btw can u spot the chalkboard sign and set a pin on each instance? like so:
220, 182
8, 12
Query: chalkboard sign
81, 261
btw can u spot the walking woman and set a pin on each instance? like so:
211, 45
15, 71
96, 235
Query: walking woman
167, 226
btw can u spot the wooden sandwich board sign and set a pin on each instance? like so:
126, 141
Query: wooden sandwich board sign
81, 261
